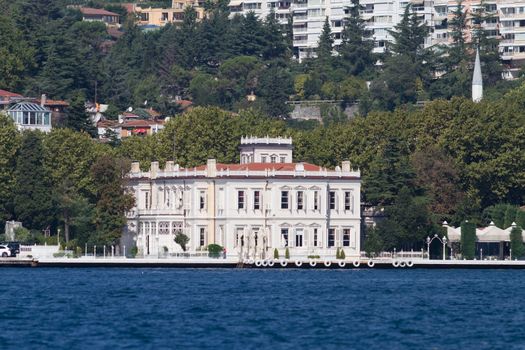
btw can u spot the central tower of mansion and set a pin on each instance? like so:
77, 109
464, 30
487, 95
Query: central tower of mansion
264, 202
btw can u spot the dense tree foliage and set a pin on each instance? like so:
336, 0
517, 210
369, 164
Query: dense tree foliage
48, 49
451, 160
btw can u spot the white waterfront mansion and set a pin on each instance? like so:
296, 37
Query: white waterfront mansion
251, 208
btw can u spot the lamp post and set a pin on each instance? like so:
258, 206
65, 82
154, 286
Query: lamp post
444, 241
480, 253
94, 251
428, 247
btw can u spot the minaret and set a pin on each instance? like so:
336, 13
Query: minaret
477, 80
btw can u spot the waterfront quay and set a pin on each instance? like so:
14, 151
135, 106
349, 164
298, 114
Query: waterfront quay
203, 262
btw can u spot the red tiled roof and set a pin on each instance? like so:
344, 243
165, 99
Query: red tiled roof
54, 102
97, 12
5, 93
141, 123
263, 166
107, 123
184, 103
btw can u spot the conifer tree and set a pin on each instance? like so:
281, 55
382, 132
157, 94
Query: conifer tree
77, 118
356, 47
326, 42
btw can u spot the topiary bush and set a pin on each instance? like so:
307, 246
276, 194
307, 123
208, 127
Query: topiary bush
342, 254
516, 242
287, 253
214, 250
276, 253
468, 240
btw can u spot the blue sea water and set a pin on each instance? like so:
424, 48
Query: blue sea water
107, 308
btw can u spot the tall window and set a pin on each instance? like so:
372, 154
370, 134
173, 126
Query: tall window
146, 200
263, 159
283, 159
348, 201
274, 159
315, 237
284, 200
240, 200
202, 200
202, 236
316, 200
256, 200
300, 200
331, 237
284, 237
346, 237
332, 199
299, 238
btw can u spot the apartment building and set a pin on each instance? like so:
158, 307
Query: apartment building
507, 22
158, 17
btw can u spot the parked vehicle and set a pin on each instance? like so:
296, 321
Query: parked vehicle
5, 251
14, 247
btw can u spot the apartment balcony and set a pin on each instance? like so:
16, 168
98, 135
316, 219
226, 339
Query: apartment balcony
299, 6
300, 43
300, 29
512, 15
300, 19
513, 55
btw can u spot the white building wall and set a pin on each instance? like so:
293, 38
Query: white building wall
212, 204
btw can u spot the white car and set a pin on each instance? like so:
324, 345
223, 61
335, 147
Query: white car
5, 251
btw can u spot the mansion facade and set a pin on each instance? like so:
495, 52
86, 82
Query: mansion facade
264, 202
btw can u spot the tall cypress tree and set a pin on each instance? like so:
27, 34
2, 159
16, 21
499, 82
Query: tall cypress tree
326, 42
77, 118
356, 47
458, 25
275, 40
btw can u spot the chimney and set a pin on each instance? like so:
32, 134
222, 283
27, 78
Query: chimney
43, 100
135, 167
169, 166
345, 166
211, 168
154, 169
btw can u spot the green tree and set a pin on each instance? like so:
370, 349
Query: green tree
275, 40
373, 243
17, 55
325, 45
275, 88
387, 174
182, 240
9, 145
33, 201
77, 118
458, 26
468, 240
112, 199
355, 51
407, 223
516, 242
